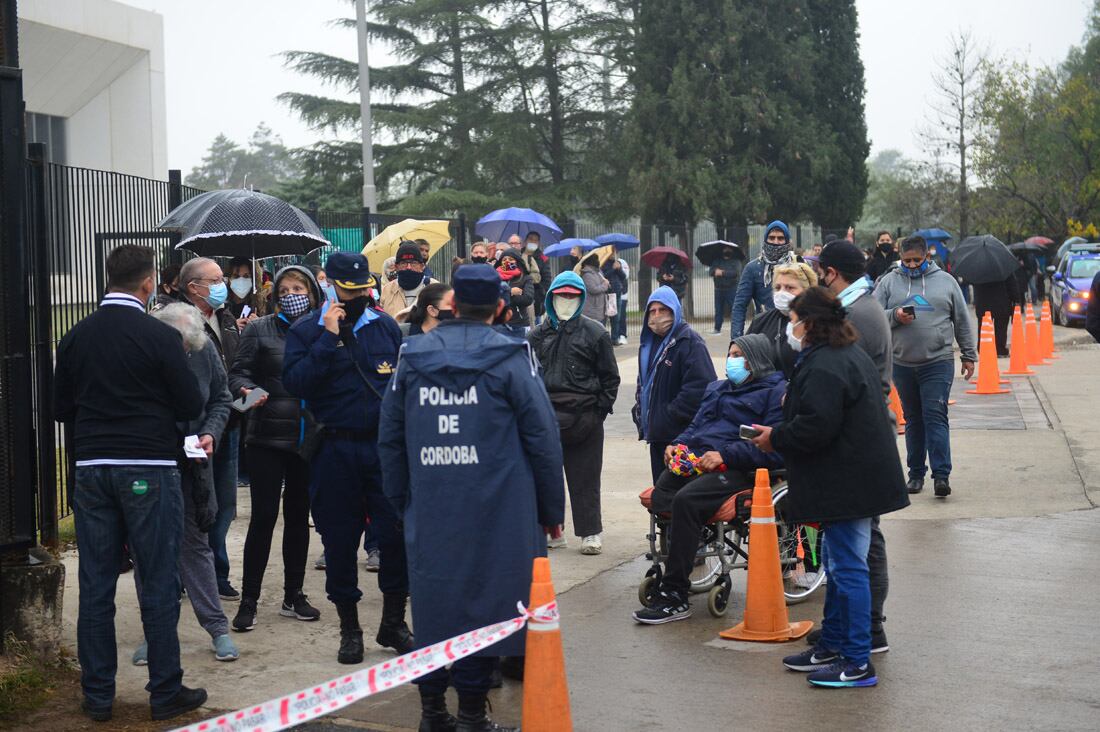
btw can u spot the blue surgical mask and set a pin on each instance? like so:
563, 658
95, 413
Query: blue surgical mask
217, 295
736, 370
917, 271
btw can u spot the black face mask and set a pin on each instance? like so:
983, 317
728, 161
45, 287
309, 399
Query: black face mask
354, 310
479, 260
886, 248
445, 315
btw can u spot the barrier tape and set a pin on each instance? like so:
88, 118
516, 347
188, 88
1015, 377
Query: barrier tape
317, 701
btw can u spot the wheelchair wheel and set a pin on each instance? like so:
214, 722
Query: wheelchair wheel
647, 589
719, 597
799, 552
708, 569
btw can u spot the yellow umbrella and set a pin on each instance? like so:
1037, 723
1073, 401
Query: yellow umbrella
382, 247
602, 254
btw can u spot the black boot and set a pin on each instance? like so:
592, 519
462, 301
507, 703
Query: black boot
392, 631
351, 635
472, 716
433, 714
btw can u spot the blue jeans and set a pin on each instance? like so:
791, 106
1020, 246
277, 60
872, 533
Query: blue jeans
225, 492
723, 305
847, 624
924, 391
141, 506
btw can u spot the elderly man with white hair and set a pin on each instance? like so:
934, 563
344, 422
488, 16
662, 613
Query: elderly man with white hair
196, 559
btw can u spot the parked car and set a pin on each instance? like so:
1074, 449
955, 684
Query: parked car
1070, 283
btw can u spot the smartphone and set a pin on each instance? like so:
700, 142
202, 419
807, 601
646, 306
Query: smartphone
910, 310
246, 311
748, 432
247, 402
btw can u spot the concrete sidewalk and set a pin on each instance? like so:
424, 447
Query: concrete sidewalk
986, 613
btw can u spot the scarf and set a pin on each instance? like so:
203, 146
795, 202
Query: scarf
772, 255
509, 274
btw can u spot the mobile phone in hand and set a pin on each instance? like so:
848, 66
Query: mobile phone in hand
748, 432
910, 310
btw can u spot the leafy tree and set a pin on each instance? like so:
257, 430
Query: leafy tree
265, 163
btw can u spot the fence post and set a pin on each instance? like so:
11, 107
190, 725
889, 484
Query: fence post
460, 243
43, 344
175, 199
366, 225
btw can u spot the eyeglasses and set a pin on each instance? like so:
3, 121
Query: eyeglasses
218, 281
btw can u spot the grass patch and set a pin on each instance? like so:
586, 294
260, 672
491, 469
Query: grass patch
26, 681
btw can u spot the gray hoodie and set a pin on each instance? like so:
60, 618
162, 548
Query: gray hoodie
942, 316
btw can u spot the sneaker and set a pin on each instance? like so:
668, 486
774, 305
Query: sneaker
374, 561
815, 659
96, 714
844, 674
622, 340
141, 655
320, 563
714, 331
227, 592
225, 649
915, 485
555, 543
183, 702
805, 580
298, 607
591, 545
879, 643
942, 487
246, 616
666, 608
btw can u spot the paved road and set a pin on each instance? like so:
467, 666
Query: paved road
990, 615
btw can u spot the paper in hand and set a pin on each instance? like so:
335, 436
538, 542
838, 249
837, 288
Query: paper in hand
192, 448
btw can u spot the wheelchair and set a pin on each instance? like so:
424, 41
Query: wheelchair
724, 547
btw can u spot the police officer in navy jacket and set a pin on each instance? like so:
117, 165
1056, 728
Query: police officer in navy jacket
473, 463
339, 359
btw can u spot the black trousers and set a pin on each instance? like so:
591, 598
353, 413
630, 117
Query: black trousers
582, 448
880, 580
691, 501
269, 470
470, 675
657, 459
1001, 318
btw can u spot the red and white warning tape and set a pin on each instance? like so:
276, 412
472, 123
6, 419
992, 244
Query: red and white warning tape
316, 701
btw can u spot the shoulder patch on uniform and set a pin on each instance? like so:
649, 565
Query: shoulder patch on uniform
384, 368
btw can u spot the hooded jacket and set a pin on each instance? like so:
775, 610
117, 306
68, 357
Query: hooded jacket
836, 439
596, 287
520, 303
472, 462
673, 373
578, 361
753, 287
278, 424
942, 316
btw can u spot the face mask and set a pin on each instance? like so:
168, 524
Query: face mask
479, 260
916, 272
354, 309
792, 340
532, 246
736, 370
293, 305
782, 300
660, 324
886, 248
566, 307
217, 295
409, 279
775, 252
241, 286
445, 315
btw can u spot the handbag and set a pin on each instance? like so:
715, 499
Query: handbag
612, 308
313, 432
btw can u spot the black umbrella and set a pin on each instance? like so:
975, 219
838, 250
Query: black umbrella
982, 259
238, 223
1027, 246
712, 250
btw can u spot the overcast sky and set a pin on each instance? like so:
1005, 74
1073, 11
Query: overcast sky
224, 70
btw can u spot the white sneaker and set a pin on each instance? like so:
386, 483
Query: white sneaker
806, 580
591, 544
558, 543
622, 340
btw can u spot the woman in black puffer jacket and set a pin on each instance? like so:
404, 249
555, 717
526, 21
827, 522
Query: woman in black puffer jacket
275, 429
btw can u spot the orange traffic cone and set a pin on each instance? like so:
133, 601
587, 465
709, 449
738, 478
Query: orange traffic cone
1034, 349
545, 690
765, 607
989, 378
987, 331
1017, 348
1046, 332
895, 407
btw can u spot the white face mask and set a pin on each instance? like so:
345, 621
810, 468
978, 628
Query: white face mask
532, 246
782, 300
566, 307
241, 286
792, 340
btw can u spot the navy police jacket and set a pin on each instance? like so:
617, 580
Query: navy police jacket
471, 459
317, 367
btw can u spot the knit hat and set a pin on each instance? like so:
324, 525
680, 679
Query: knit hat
758, 349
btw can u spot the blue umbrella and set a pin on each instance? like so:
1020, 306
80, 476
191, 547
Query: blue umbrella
561, 249
621, 241
499, 225
932, 234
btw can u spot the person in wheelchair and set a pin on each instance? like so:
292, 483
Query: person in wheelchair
751, 393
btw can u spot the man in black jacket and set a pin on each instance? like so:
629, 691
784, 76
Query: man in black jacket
202, 284
123, 381
726, 272
582, 378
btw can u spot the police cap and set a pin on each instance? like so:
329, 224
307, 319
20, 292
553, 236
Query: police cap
476, 284
349, 270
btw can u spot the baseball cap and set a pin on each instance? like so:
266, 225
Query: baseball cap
843, 256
